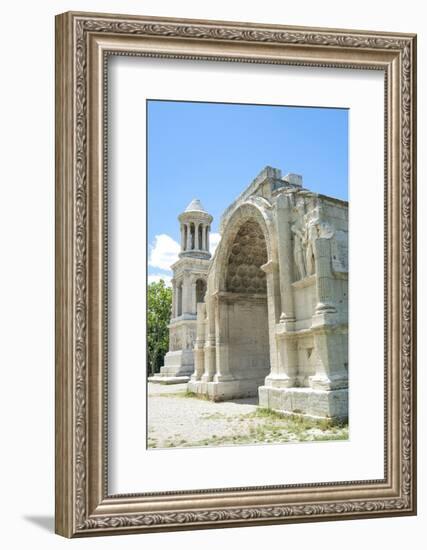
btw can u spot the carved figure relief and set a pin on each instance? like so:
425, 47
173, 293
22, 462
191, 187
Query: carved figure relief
299, 250
305, 233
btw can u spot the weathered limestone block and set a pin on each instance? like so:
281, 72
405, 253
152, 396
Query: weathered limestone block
306, 402
331, 361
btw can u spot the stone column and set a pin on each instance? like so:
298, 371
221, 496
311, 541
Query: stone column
174, 298
324, 277
207, 238
185, 293
222, 341
196, 236
193, 300
283, 358
285, 255
210, 351
273, 304
199, 355
182, 237
331, 371
203, 237
188, 247
179, 305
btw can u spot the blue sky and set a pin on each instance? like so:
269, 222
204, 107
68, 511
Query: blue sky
212, 151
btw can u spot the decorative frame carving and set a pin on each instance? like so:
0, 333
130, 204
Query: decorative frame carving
83, 42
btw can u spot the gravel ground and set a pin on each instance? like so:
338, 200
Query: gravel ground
178, 420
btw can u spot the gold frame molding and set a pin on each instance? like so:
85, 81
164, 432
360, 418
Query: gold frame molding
83, 43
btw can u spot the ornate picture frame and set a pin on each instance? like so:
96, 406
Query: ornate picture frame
84, 42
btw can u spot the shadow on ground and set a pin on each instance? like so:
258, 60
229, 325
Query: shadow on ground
44, 522
244, 401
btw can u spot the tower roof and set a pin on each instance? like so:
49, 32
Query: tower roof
195, 212
195, 206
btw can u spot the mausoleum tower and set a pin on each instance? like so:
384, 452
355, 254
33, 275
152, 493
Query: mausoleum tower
189, 284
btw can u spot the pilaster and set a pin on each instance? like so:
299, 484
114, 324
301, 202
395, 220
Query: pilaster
283, 223
324, 277
221, 341
210, 351
199, 356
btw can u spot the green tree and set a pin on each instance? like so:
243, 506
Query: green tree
158, 317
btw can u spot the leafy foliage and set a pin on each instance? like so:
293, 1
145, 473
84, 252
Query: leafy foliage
158, 316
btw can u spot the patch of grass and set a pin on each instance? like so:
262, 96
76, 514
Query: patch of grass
261, 412
298, 422
225, 440
264, 434
258, 435
260, 427
151, 443
341, 436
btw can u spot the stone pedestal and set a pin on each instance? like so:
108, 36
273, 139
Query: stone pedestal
311, 377
178, 368
306, 402
225, 390
179, 361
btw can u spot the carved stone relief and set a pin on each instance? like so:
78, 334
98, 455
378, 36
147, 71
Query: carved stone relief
190, 338
306, 229
248, 253
175, 342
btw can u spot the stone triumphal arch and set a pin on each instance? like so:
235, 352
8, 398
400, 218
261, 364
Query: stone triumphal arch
274, 319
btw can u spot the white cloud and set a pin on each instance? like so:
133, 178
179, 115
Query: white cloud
155, 278
164, 252
214, 239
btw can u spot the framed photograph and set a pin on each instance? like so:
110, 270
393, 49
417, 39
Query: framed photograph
235, 274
